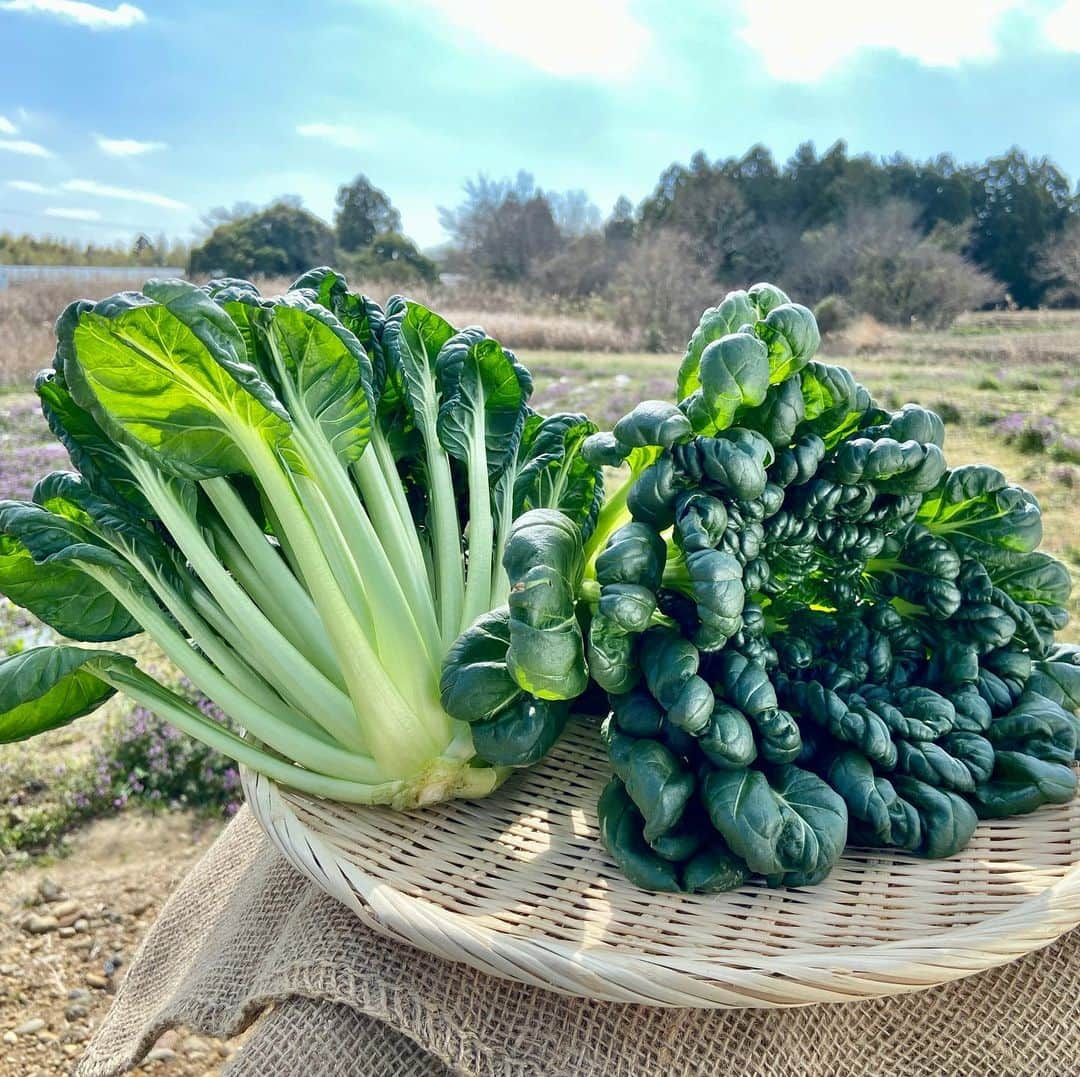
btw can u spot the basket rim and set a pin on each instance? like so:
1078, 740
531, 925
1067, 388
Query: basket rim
841, 973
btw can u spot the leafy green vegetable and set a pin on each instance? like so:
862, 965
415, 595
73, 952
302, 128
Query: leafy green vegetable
304, 500
791, 829
46, 687
544, 562
845, 633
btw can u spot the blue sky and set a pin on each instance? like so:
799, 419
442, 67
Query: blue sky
118, 117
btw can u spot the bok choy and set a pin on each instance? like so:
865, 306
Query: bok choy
304, 501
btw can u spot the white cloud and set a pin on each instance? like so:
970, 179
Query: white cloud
73, 214
803, 42
597, 39
337, 134
125, 194
6, 126
81, 12
1062, 27
27, 149
126, 147
29, 186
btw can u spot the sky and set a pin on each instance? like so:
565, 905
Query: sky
117, 118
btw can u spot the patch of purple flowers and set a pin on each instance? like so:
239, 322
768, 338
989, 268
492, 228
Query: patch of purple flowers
146, 760
1038, 434
27, 447
141, 761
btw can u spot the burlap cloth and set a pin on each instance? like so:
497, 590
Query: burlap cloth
245, 932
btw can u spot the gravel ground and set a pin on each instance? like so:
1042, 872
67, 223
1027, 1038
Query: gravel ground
68, 931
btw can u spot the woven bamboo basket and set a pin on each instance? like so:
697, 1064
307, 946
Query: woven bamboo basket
518, 886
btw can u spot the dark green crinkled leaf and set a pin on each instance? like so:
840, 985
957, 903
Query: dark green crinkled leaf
621, 827
652, 422
544, 561
1058, 676
877, 813
476, 684
636, 713
611, 655
728, 740
1021, 783
714, 871
553, 472
634, 554
947, 820
791, 830
522, 734
1038, 727
779, 414
658, 785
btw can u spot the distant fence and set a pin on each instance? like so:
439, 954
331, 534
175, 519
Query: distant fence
19, 274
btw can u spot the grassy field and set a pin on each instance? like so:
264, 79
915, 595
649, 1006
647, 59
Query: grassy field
28, 312
1007, 384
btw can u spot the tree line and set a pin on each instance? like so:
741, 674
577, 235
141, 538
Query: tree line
901, 239
904, 240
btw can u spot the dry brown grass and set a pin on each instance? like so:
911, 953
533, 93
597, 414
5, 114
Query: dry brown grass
516, 317
987, 321
863, 335
28, 312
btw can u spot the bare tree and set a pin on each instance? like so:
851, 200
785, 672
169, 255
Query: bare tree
1059, 266
503, 226
575, 214
878, 258
661, 290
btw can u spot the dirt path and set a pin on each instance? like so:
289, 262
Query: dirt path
69, 930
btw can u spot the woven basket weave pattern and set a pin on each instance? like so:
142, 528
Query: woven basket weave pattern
517, 885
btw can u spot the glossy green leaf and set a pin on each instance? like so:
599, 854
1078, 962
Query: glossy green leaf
612, 656
621, 832
792, 830
476, 684
1021, 783
554, 473
41, 568
946, 819
544, 561
734, 374
316, 366
876, 812
484, 394
522, 734
790, 333
180, 397
658, 785
47, 687
652, 422
728, 316
976, 503
92, 452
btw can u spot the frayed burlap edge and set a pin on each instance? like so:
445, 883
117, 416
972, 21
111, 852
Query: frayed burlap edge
244, 932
